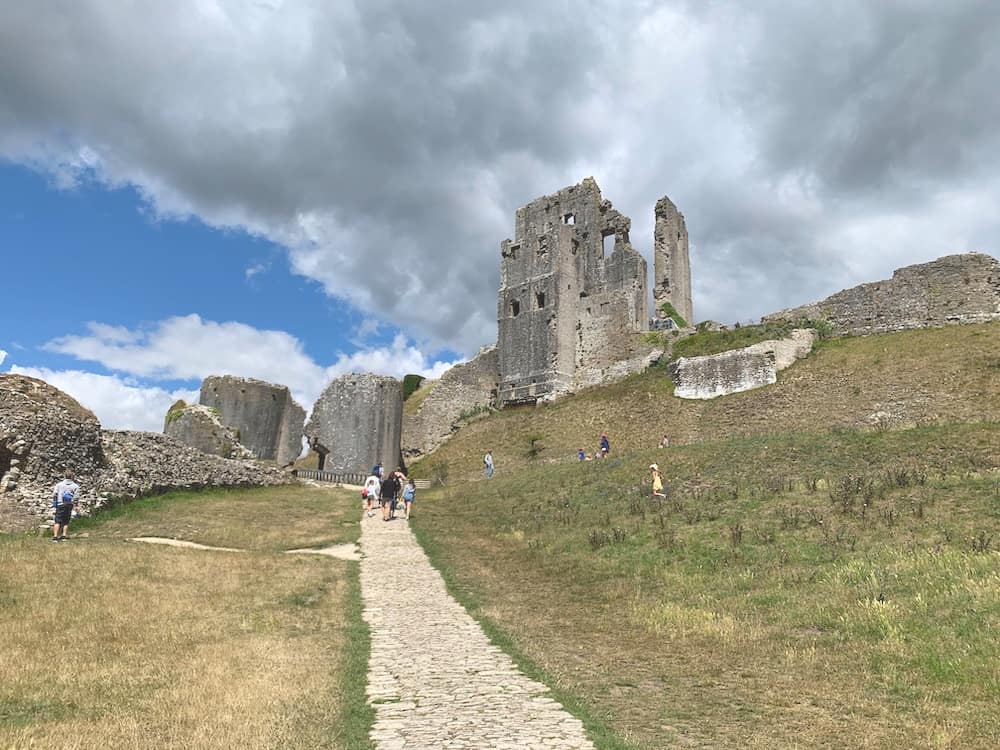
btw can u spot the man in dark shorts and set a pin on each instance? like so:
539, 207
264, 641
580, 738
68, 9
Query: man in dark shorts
390, 491
64, 499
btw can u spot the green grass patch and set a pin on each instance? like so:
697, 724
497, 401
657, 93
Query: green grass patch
816, 590
706, 342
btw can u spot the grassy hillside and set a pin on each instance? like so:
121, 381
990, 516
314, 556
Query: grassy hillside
935, 376
814, 579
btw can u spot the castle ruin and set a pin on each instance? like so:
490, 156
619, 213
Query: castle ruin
671, 263
573, 292
356, 422
267, 418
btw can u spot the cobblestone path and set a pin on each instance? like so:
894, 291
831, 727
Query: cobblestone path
434, 679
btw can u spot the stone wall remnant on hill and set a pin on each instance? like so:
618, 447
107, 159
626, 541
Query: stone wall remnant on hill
201, 427
268, 420
572, 291
357, 421
671, 261
962, 288
465, 389
43, 431
740, 369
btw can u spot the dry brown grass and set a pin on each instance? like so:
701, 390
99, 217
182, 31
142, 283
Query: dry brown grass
108, 643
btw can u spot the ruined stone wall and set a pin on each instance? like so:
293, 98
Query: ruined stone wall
43, 430
464, 389
572, 289
671, 262
267, 418
357, 421
740, 369
201, 427
954, 289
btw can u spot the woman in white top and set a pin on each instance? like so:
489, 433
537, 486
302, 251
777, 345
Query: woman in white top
372, 489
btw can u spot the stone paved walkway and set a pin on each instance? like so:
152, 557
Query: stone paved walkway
434, 679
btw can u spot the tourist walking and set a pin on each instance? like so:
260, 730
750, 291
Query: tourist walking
370, 492
64, 500
605, 445
488, 464
390, 489
665, 443
657, 481
409, 495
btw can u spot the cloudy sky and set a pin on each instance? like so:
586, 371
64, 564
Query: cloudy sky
291, 190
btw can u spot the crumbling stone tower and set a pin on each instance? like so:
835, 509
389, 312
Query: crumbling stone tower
356, 421
671, 264
572, 290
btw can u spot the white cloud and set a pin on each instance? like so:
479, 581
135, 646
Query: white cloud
190, 348
387, 145
255, 269
3, 356
119, 403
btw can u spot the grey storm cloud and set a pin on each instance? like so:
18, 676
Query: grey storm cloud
387, 144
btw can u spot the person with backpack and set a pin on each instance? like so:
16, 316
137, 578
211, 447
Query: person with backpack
64, 500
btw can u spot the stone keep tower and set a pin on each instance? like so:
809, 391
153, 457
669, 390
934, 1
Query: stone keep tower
572, 291
671, 265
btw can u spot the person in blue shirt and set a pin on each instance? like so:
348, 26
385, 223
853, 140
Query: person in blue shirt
605, 445
64, 500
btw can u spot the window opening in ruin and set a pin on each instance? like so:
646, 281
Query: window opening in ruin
607, 244
513, 251
543, 246
540, 299
574, 246
515, 308
569, 219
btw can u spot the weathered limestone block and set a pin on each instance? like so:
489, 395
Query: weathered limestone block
741, 369
961, 288
671, 261
201, 427
462, 390
356, 422
571, 286
268, 420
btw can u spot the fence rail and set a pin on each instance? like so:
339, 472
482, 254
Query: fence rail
329, 476
338, 478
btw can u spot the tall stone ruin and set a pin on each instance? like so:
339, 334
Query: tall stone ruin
267, 418
572, 291
357, 421
671, 262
